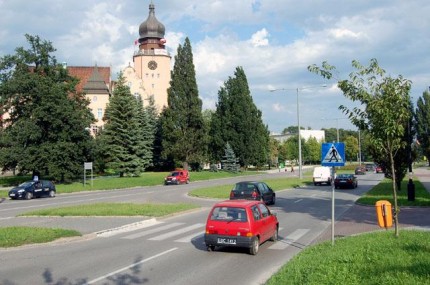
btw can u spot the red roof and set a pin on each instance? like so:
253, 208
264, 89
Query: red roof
84, 73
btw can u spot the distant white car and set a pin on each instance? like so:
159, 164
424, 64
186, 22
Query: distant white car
322, 175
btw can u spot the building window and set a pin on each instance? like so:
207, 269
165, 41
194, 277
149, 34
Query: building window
129, 84
153, 85
100, 113
136, 95
158, 75
95, 130
95, 99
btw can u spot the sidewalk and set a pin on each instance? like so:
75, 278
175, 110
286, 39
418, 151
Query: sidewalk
361, 219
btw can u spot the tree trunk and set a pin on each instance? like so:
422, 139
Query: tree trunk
185, 165
396, 210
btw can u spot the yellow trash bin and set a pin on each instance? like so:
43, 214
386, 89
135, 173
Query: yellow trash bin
384, 213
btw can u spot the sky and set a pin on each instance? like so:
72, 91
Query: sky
274, 41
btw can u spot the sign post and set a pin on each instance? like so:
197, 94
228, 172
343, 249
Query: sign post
332, 154
88, 166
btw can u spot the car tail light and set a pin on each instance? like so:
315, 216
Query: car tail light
231, 194
254, 194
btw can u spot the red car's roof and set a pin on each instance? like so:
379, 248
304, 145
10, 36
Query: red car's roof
236, 203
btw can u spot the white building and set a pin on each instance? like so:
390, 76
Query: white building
305, 134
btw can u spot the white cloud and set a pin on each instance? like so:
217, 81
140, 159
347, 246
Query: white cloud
260, 38
277, 107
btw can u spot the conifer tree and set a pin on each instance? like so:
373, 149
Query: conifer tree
422, 125
147, 124
123, 133
183, 130
230, 160
238, 121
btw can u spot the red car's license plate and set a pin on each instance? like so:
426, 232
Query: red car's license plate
226, 240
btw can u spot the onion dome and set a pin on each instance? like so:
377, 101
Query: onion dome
151, 28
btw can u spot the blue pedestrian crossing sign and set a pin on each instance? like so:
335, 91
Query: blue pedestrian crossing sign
333, 154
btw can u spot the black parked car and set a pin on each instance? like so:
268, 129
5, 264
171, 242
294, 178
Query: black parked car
33, 189
253, 190
345, 181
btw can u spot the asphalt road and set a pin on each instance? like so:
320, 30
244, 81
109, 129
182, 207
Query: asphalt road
164, 251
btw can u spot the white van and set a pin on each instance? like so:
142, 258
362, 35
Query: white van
322, 174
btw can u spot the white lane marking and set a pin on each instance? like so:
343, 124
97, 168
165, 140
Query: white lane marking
288, 240
189, 238
298, 200
177, 232
131, 266
156, 230
128, 228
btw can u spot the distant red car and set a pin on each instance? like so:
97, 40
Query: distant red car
378, 169
177, 177
240, 223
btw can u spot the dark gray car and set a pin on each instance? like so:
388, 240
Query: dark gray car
253, 190
33, 189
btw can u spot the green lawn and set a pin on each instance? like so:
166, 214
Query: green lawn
373, 258
114, 182
16, 236
114, 209
383, 191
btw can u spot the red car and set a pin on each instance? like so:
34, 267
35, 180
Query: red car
378, 169
177, 177
240, 223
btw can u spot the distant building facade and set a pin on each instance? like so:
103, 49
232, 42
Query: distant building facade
304, 134
149, 76
96, 83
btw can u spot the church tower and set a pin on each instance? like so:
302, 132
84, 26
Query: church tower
150, 74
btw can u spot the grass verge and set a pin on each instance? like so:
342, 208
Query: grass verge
384, 191
115, 182
16, 236
374, 258
114, 209
223, 191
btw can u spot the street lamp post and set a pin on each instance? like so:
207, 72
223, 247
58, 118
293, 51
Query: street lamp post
299, 136
298, 120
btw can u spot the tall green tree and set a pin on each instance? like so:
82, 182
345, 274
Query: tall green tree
292, 148
238, 121
290, 130
313, 151
148, 122
183, 128
123, 133
386, 109
44, 117
274, 157
351, 148
422, 126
